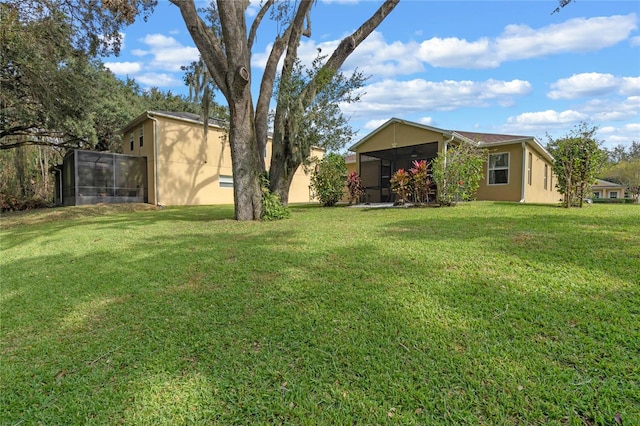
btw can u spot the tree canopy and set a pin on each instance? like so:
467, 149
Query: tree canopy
578, 160
623, 167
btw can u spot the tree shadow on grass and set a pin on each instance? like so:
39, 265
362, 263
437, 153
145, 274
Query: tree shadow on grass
263, 327
23, 227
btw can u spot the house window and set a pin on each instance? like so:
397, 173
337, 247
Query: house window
498, 168
613, 194
546, 172
131, 141
141, 135
530, 169
596, 194
226, 181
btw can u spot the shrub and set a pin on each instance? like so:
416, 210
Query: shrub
355, 188
401, 185
272, 207
328, 179
458, 173
421, 181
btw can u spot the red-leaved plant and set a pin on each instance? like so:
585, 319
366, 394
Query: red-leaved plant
354, 185
421, 181
401, 185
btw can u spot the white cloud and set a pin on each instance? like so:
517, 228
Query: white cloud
624, 135
124, 68
419, 96
168, 53
140, 52
543, 120
574, 35
374, 124
376, 56
607, 110
160, 41
427, 121
583, 85
593, 84
457, 53
158, 80
630, 86
635, 41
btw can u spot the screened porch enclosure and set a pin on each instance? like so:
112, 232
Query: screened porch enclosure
377, 167
89, 177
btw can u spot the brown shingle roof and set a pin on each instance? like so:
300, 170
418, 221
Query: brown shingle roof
489, 138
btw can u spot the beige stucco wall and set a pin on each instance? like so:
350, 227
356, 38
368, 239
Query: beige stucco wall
190, 165
534, 191
511, 191
300, 190
146, 150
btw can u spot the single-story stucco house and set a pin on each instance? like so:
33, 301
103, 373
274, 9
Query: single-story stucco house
518, 168
174, 163
605, 189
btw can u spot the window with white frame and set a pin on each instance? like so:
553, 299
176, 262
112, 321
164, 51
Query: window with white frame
225, 181
131, 141
613, 194
530, 171
546, 172
596, 194
141, 135
498, 168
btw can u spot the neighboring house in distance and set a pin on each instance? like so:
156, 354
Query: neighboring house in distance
518, 168
185, 167
606, 189
167, 160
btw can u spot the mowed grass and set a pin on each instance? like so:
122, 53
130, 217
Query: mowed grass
486, 313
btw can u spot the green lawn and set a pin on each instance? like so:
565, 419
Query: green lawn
486, 313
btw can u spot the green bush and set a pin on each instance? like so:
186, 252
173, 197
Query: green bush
612, 200
328, 180
272, 207
458, 173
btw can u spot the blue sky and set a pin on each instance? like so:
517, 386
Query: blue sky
488, 66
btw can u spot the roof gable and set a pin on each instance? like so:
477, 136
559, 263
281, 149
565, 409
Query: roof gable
394, 120
605, 183
187, 117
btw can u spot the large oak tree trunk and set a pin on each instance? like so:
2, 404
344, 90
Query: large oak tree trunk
230, 67
247, 194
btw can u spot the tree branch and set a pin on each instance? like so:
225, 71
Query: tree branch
18, 131
270, 70
257, 21
207, 42
67, 144
346, 47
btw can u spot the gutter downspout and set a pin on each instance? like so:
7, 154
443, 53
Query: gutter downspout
524, 165
444, 149
155, 161
445, 145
